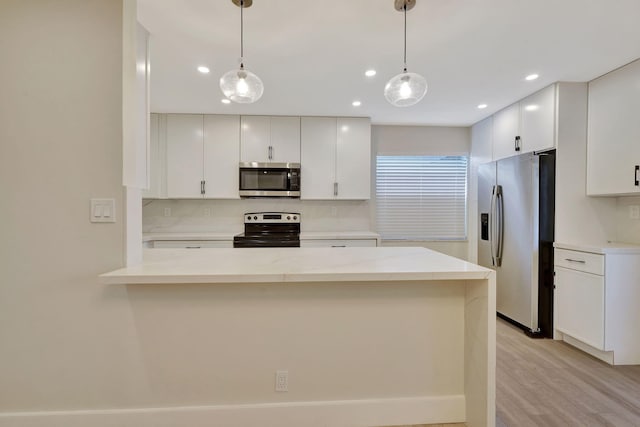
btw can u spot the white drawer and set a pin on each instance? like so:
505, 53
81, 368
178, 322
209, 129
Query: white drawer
337, 243
193, 244
580, 261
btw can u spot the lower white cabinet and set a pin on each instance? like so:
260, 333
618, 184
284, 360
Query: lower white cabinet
597, 301
193, 244
338, 243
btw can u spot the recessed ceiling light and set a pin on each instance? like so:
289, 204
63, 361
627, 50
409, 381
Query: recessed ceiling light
531, 107
531, 77
481, 106
370, 73
225, 101
203, 69
356, 103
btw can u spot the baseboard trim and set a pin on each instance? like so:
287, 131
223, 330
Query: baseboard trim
353, 413
605, 356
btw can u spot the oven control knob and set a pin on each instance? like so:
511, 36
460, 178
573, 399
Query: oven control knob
249, 218
295, 217
255, 217
288, 217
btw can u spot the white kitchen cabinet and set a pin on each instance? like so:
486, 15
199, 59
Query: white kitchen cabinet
185, 138
158, 158
193, 244
526, 126
596, 301
336, 158
338, 243
270, 139
613, 145
221, 156
538, 120
202, 156
506, 124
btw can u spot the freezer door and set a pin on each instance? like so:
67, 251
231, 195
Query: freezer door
517, 281
486, 185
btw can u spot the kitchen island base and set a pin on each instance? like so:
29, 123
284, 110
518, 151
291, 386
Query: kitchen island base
415, 346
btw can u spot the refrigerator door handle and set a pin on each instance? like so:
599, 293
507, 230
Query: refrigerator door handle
492, 225
499, 225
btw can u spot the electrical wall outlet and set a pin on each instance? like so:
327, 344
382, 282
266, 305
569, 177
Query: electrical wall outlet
207, 212
634, 212
167, 211
282, 380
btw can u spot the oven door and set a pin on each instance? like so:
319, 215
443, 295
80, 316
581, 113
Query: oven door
269, 180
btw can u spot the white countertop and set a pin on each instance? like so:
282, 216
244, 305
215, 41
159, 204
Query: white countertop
305, 235
268, 265
604, 248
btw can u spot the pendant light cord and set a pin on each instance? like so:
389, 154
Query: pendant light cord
405, 36
241, 35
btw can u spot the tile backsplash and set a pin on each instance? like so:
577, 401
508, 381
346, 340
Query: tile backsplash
627, 229
166, 216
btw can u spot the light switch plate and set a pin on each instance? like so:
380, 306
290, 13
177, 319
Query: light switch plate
634, 212
103, 210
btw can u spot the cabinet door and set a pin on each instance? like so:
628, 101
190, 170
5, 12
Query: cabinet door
538, 120
158, 157
338, 243
285, 139
318, 157
505, 130
613, 147
184, 155
353, 158
580, 306
221, 156
255, 138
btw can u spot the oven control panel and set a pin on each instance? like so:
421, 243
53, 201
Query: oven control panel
272, 217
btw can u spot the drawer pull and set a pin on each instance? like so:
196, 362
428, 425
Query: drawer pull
576, 260
192, 247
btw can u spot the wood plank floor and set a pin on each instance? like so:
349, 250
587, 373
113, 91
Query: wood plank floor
549, 383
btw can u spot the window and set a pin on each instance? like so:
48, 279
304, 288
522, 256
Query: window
421, 197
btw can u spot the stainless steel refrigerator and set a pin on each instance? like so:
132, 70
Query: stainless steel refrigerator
516, 203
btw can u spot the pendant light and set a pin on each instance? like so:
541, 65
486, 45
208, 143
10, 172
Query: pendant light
241, 85
406, 88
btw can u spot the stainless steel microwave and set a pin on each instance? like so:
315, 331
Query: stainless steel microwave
269, 179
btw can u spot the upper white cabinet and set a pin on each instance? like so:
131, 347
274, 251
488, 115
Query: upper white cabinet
336, 158
202, 156
505, 129
158, 158
270, 139
221, 156
526, 126
613, 145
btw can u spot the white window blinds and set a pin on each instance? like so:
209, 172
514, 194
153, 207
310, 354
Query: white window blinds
421, 197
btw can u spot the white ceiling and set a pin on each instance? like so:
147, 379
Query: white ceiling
312, 55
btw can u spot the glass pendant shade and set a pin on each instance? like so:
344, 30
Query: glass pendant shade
241, 86
405, 89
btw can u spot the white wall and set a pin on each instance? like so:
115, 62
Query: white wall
421, 140
67, 342
628, 230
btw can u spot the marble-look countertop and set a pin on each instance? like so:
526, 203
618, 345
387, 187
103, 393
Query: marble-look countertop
268, 265
305, 235
604, 248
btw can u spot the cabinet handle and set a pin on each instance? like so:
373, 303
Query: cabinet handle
192, 247
637, 180
517, 143
201, 187
338, 246
270, 152
576, 260
335, 188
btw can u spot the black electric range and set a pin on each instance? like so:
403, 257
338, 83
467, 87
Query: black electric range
269, 230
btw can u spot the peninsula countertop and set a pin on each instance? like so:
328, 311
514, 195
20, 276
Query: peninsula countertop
269, 265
